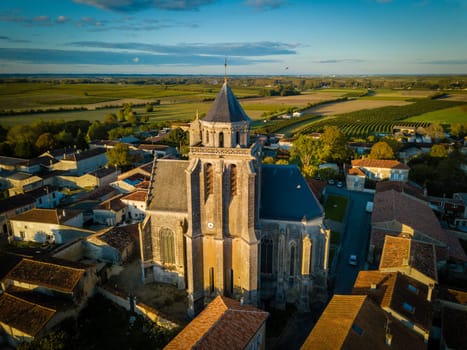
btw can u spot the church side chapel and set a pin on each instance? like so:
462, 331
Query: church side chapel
222, 223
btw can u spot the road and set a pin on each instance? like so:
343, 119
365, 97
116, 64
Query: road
355, 237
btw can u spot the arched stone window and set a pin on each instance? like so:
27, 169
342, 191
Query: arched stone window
207, 137
237, 138
233, 180
167, 245
292, 260
266, 255
208, 180
221, 139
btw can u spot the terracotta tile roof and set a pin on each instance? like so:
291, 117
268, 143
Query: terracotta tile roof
356, 172
405, 253
422, 313
391, 290
453, 295
392, 206
223, 324
113, 203
400, 186
378, 285
52, 302
143, 185
379, 163
47, 274
20, 314
453, 322
49, 216
140, 196
115, 237
356, 322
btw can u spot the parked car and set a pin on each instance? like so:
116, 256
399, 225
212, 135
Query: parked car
340, 184
353, 260
331, 182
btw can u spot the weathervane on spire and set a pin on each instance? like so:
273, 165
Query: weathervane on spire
225, 70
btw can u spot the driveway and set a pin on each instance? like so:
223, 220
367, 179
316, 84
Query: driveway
355, 237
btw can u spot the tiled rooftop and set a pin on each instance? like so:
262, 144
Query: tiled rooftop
46, 274
20, 314
356, 322
136, 196
404, 252
49, 216
392, 206
356, 172
379, 163
113, 203
223, 324
115, 237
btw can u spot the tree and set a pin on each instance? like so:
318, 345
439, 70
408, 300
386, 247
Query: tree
381, 150
24, 149
132, 118
307, 151
45, 142
64, 138
334, 145
438, 151
110, 118
435, 131
120, 156
149, 107
80, 140
177, 136
393, 143
458, 130
96, 131
268, 160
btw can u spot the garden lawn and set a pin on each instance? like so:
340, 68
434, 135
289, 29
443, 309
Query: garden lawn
335, 208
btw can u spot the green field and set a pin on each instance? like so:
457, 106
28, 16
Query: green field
444, 116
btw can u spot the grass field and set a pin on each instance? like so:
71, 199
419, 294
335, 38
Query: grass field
444, 116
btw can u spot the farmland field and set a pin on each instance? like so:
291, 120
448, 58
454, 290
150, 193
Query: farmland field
444, 116
352, 106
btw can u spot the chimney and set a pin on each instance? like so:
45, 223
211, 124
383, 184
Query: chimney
373, 286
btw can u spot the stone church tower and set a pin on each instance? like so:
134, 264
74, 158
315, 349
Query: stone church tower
204, 222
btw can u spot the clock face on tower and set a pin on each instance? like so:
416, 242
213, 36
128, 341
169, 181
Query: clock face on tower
210, 225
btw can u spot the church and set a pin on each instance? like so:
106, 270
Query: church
223, 223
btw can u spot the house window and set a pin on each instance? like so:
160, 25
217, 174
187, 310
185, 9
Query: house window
237, 138
22, 234
412, 288
292, 261
357, 329
266, 255
53, 195
233, 180
208, 180
167, 241
408, 307
207, 137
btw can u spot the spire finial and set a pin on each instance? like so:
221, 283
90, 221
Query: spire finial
225, 70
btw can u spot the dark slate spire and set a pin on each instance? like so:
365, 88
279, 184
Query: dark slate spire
226, 108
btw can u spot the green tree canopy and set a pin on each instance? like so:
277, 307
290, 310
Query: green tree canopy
334, 146
45, 142
381, 150
110, 118
97, 131
307, 152
120, 156
177, 136
435, 131
438, 151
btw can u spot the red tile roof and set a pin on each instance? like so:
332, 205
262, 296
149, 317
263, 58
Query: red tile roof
113, 203
400, 186
356, 322
20, 314
140, 196
49, 216
392, 206
46, 274
223, 324
356, 172
115, 237
379, 163
403, 253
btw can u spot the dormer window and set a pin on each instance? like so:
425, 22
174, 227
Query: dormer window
408, 307
412, 288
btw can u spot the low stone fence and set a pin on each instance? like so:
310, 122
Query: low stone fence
139, 308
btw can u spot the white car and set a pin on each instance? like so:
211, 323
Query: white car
353, 260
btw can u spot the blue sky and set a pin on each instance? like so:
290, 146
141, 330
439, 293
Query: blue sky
257, 36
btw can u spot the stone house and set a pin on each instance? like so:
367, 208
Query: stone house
82, 162
48, 225
13, 206
110, 212
136, 205
224, 324
355, 179
114, 245
382, 169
